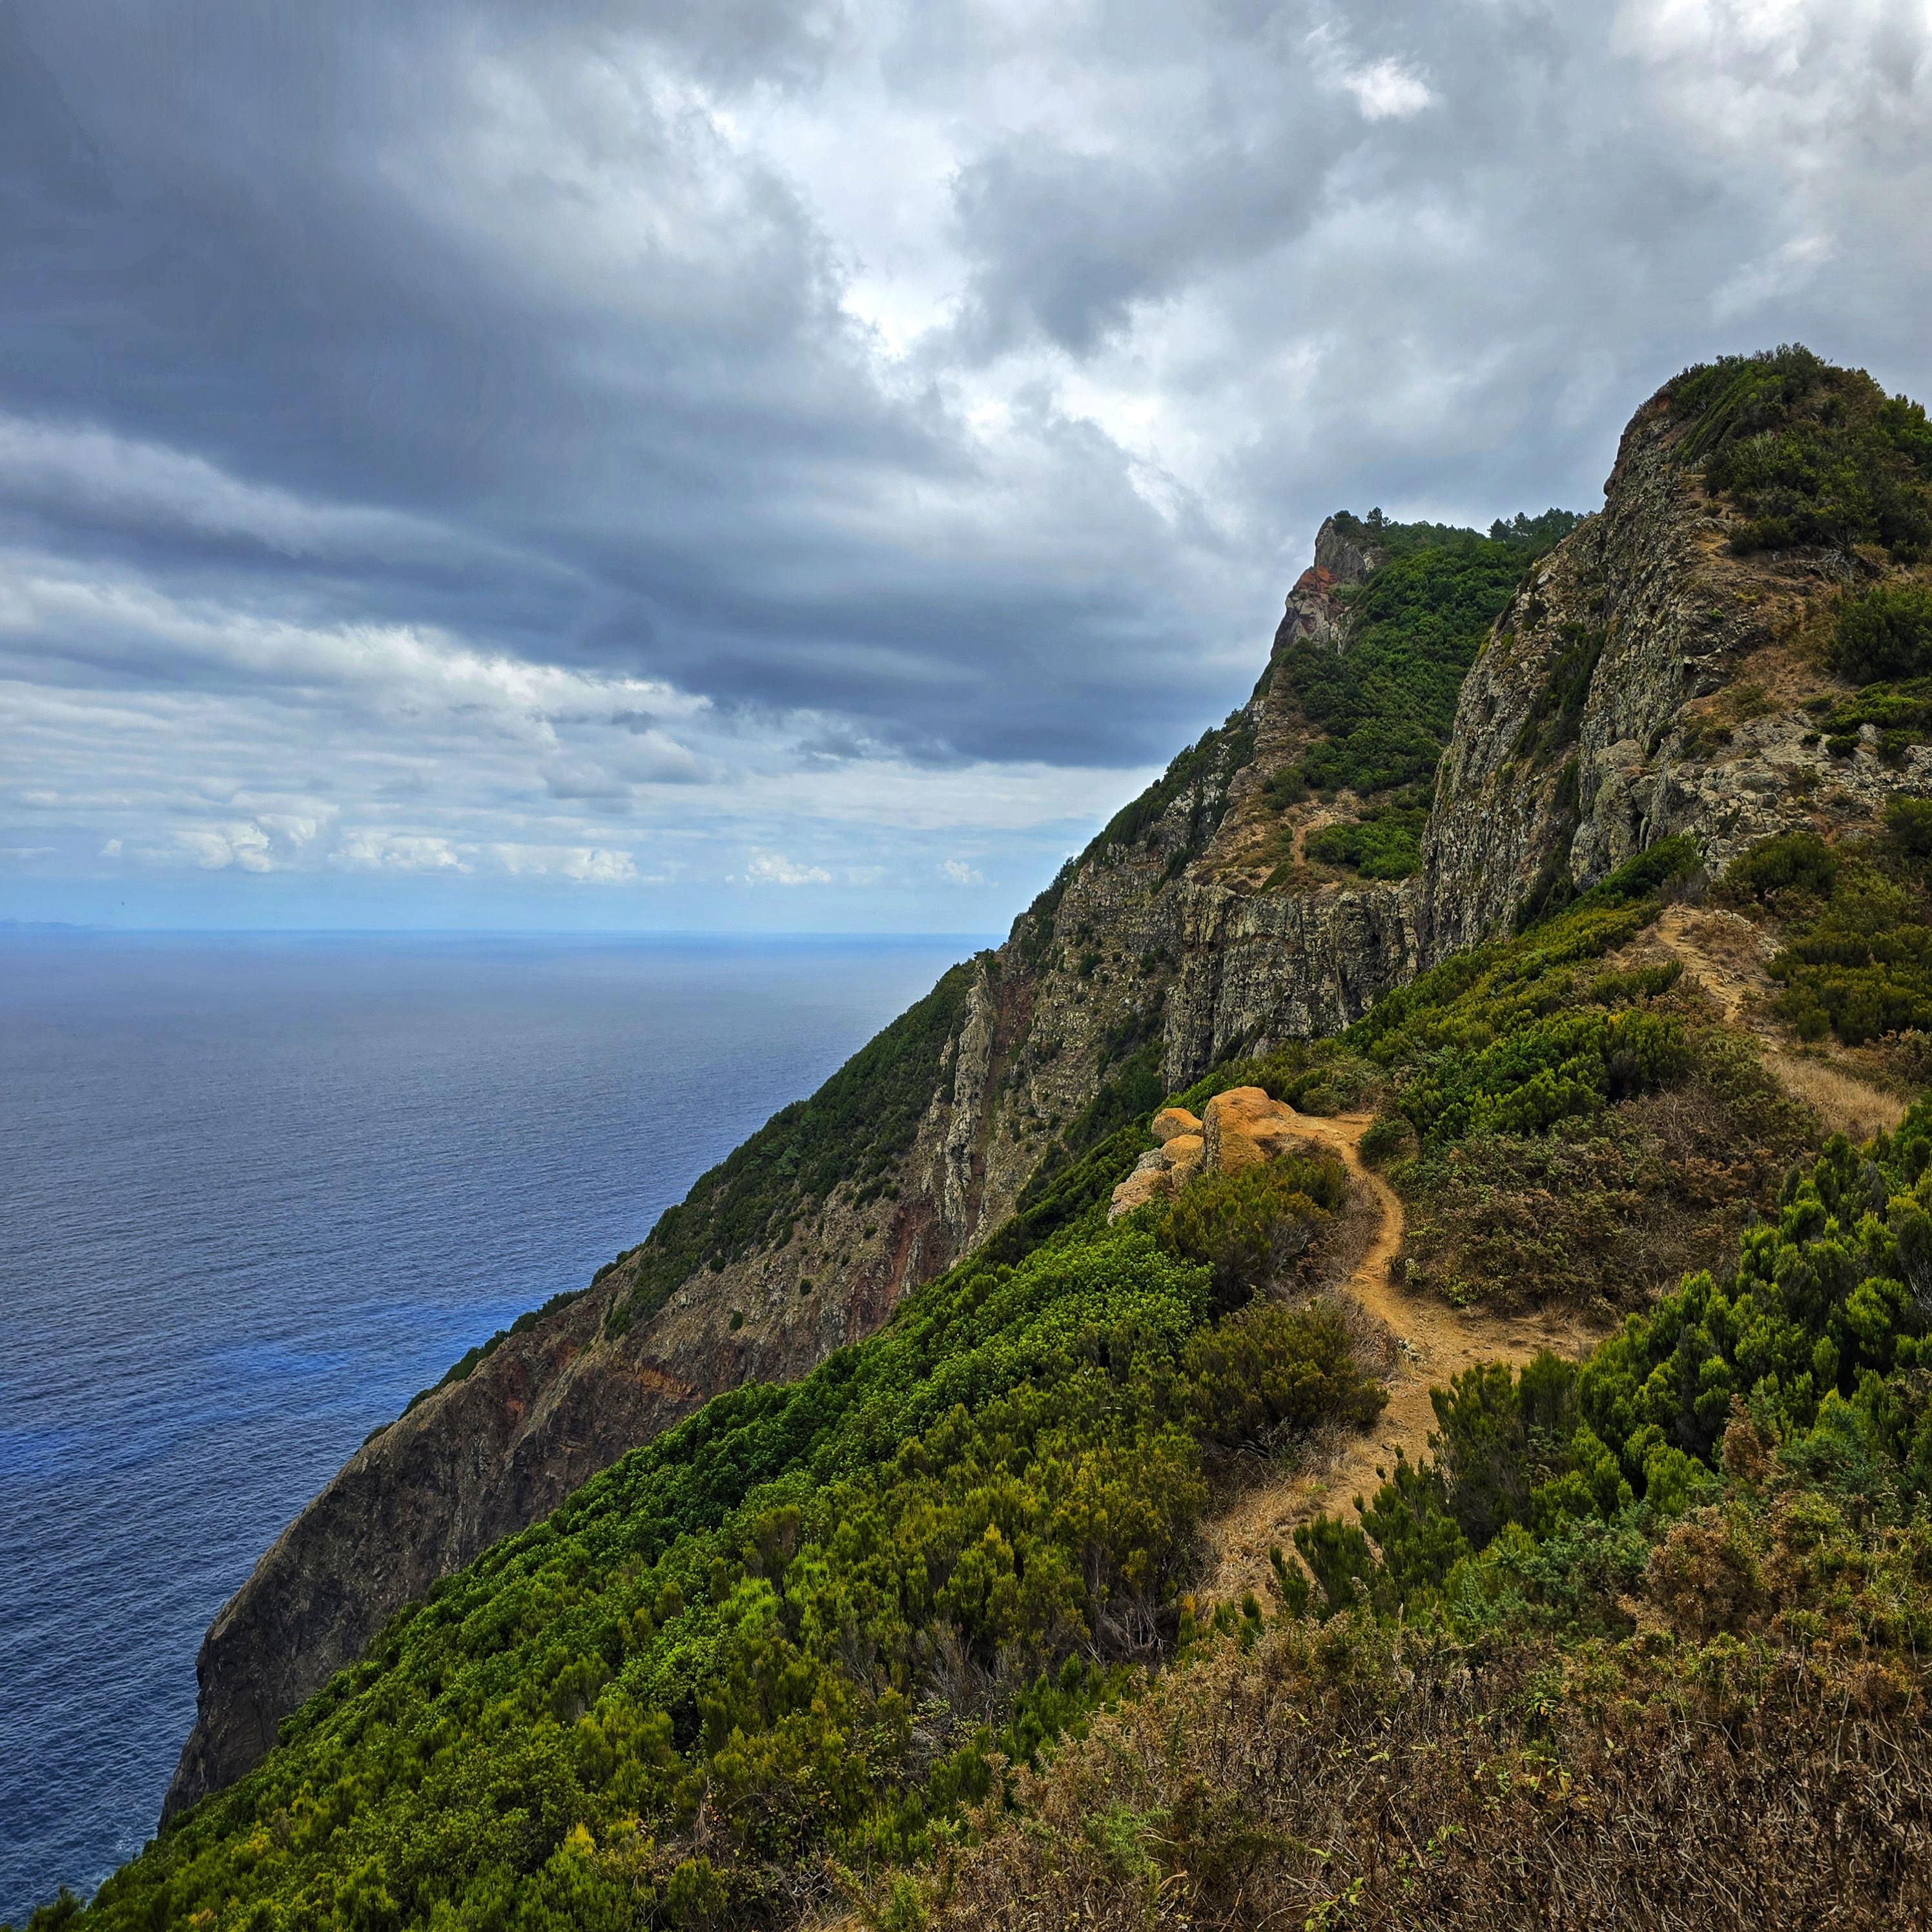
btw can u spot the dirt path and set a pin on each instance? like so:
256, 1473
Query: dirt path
1724, 953
1433, 1341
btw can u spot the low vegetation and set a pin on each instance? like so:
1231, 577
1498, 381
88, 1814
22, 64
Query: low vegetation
1642, 1642
1384, 707
851, 1132
1857, 922
786, 1637
1810, 456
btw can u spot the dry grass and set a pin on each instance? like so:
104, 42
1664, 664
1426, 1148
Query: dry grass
1338, 1776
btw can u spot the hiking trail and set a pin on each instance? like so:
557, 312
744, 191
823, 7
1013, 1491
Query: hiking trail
1433, 1341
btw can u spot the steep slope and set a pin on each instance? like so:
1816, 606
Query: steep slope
1662, 670
1667, 668
780, 1650
1177, 937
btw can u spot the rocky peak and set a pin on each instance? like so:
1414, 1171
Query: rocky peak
1647, 677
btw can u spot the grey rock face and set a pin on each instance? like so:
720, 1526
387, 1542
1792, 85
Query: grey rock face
1606, 712
1645, 681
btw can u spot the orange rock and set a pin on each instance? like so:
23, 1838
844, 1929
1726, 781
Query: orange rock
1232, 1117
1185, 1153
1143, 1185
1171, 1122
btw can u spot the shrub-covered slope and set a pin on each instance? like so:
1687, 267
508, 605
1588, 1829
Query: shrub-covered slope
1731, 652
1644, 1641
977, 1101
777, 1643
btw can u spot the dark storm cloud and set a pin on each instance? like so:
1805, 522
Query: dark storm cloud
852, 384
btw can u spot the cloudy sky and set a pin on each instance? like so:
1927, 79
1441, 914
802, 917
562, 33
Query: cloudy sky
764, 464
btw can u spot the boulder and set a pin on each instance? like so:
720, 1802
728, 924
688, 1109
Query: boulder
1143, 1185
1185, 1155
1235, 1125
1234, 1150
1171, 1122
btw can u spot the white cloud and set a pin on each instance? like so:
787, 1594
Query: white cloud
1388, 91
215, 848
375, 851
773, 868
112, 849
587, 865
960, 873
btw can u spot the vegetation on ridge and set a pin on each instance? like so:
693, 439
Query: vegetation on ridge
1384, 706
1809, 454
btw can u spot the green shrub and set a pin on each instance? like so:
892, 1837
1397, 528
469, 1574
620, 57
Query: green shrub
1246, 1227
1287, 787
1270, 1371
1380, 844
1385, 705
1793, 862
1885, 633
1387, 1137
1810, 455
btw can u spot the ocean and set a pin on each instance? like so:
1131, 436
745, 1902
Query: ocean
255, 1193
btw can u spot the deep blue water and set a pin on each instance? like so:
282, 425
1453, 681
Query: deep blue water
255, 1193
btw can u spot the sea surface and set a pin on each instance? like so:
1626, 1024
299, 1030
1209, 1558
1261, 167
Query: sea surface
256, 1191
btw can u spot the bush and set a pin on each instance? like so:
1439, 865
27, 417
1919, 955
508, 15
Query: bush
1811, 455
1388, 1136
1247, 1226
1385, 844
1386, 704
1792, 863
1885, 633
1270, 1371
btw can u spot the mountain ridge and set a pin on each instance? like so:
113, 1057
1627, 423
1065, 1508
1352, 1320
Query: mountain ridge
1197, 925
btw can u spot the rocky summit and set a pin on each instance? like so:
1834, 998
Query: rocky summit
1441, 1163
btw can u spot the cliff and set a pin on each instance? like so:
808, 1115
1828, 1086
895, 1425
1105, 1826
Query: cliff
1643, 678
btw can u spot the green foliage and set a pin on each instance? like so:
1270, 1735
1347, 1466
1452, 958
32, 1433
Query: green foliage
1200, 777
1857, 960
1900, 713
1271, 1373
1535, 534
1245, 1227
1792, 864
1810, 455
1386, 703
1387, 1136
1383, 842
851, 1132
1884, 633
1555, 715
1548, 1487
1285, 787
792, 1628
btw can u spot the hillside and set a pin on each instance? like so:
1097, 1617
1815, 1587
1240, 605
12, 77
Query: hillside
1666, 898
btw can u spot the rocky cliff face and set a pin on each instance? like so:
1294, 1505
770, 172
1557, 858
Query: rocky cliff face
1643, 682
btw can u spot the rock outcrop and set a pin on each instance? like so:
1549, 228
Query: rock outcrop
1643, 682
1242, 1126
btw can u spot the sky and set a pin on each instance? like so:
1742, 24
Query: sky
772, 466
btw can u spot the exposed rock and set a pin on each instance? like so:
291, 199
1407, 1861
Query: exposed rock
1684, 669
1185, 1155
1173, 1121
1604, 713
1143, 1185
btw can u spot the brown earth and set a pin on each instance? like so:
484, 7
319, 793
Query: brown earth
1428, 1342
1724, 953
